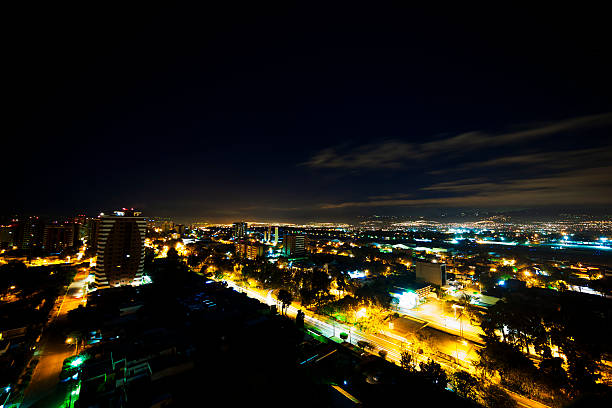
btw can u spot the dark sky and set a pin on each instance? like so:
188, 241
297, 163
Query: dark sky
305, 114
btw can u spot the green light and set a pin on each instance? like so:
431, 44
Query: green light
77, 362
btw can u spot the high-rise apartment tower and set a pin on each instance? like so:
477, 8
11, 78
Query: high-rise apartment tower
120, 250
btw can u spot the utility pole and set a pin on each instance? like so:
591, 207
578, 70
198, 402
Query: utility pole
7, 396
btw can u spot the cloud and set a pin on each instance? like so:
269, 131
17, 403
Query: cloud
394, 154
391, 196
389, 155
551, 160
477, 140
270, 208
592, 186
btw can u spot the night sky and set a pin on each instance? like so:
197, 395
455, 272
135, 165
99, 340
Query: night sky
305, 114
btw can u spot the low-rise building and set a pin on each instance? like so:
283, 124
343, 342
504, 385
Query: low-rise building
249, 250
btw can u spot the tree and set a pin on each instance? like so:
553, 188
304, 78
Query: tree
306, 297
434, 373
299, 319
603, 286
172, 255
364, 345
285, 297
319, 283
543, 320
382, 354
495, 397
552, 373
149, 258
464, 385
193, 260
515, 368
169, 272
344, 336
406, 360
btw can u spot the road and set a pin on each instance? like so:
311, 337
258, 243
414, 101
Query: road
390, 341
74, 296
432, 313
43, 390
525, 402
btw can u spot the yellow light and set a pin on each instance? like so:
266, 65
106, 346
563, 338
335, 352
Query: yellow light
361, 313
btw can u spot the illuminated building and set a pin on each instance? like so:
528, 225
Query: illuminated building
409, 297
431, 272
80, 219
80, 232
167, 226
58, 237
294, 245
6, 236
239, 229
29, 233
120, 252
275, 235
357, 274
93, 228
249, 250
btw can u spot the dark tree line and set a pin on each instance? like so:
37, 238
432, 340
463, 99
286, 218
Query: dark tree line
578, 327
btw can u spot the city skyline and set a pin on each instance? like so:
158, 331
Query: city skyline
262, 115
291, 205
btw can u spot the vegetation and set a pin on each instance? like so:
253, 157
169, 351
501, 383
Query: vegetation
545, 323
434, 373
285, 298
538, 343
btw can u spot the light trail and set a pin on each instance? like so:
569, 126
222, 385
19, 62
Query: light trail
328, 330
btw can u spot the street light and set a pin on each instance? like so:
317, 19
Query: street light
70, 340
455, 307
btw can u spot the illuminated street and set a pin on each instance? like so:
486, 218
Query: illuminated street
75, 294
43, 390
452, 346
431, 312
391, 343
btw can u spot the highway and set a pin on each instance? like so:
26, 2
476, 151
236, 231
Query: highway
390, 341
